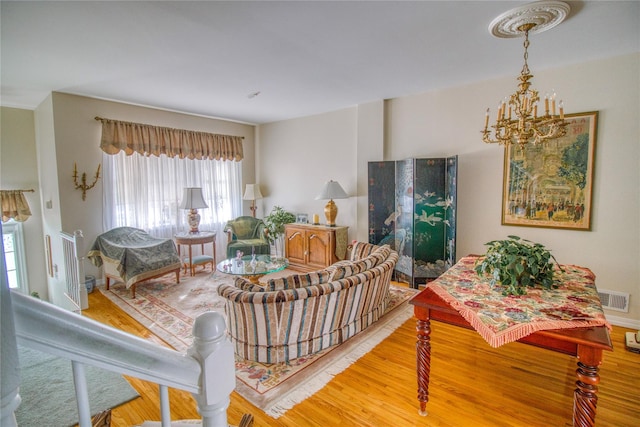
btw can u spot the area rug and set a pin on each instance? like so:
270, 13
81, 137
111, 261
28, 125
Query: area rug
169, 309
48, 395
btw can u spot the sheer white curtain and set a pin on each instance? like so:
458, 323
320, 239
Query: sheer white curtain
145, 192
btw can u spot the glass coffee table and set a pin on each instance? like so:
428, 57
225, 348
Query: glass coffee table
252, 267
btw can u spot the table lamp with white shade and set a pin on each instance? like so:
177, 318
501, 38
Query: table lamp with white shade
252, 192
331, 190
193, 200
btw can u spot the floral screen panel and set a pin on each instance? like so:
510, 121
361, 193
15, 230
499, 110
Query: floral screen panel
412, 208
451, 204
382, 203
404, 215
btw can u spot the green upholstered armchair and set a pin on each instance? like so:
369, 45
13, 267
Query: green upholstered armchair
244, 234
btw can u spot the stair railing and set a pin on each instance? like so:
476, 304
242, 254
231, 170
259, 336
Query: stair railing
207, 370
76, 290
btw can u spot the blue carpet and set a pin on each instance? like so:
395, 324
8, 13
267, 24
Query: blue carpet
48, 394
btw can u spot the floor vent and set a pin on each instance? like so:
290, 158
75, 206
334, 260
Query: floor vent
613, 300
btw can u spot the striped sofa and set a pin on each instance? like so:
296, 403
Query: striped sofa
301, 314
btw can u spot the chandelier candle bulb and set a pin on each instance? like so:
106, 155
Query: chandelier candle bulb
546, 104
561, 106
486, 122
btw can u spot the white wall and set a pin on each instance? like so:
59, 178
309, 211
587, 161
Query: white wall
294, 158
19, 171
297, 157
66, 132
77, 139
448, 122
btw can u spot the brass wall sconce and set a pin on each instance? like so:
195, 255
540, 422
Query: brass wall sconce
83, 180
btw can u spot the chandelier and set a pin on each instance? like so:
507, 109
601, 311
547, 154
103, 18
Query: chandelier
518, 119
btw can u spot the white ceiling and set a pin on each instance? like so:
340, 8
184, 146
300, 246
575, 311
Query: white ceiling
303, 57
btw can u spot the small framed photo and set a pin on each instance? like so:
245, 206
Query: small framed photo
302, 218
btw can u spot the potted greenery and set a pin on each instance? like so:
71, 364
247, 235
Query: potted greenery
516, 264
274, 223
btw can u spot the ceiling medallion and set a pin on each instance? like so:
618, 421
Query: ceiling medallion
544, 14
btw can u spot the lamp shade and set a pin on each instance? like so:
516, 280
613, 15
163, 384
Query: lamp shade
193, 199
332, 190
252, 192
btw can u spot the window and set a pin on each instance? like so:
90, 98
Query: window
145, 192
14, 256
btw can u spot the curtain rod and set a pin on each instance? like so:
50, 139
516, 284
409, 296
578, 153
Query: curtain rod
102, 119
23, 191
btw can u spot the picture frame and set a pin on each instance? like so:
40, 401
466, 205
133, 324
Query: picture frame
550, 184
302, 218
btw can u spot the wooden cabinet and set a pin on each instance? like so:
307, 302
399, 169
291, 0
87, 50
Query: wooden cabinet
312, 247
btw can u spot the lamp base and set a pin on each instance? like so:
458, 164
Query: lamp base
193, 219
331, 212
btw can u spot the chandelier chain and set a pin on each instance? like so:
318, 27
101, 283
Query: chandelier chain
525, 68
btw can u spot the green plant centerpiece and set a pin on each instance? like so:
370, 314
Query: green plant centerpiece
517, 264
274, 223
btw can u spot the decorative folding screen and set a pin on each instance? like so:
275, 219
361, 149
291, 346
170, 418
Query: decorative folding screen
412, 207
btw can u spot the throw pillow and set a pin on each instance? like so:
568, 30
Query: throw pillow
295, 281
245, 285
361, 250
379, 255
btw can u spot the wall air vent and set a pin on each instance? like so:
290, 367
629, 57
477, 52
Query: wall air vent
612, 300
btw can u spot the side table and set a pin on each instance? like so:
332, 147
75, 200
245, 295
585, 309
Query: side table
200, 238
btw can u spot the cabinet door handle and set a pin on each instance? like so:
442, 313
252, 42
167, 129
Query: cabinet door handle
293, 235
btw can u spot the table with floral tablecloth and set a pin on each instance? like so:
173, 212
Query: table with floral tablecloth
501, 319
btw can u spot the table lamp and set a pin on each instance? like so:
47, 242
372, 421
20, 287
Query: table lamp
252, 192
331, 190
193, 200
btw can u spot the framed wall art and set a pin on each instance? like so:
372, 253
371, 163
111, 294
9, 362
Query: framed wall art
550, 184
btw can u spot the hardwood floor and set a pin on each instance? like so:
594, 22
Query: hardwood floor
471, 384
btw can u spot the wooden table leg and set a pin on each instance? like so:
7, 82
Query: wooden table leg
585, 396
423, 362
193, 270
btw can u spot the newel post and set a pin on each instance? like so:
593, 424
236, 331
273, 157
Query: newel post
214, 353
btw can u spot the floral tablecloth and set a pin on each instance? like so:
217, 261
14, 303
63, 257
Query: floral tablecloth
502, 319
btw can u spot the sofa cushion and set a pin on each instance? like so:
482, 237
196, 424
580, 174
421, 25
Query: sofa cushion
361, 250
245, 285
298, 280
337, 270
343, 269
380, 255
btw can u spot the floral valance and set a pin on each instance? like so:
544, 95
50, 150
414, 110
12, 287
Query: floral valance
154, 140
14, 205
